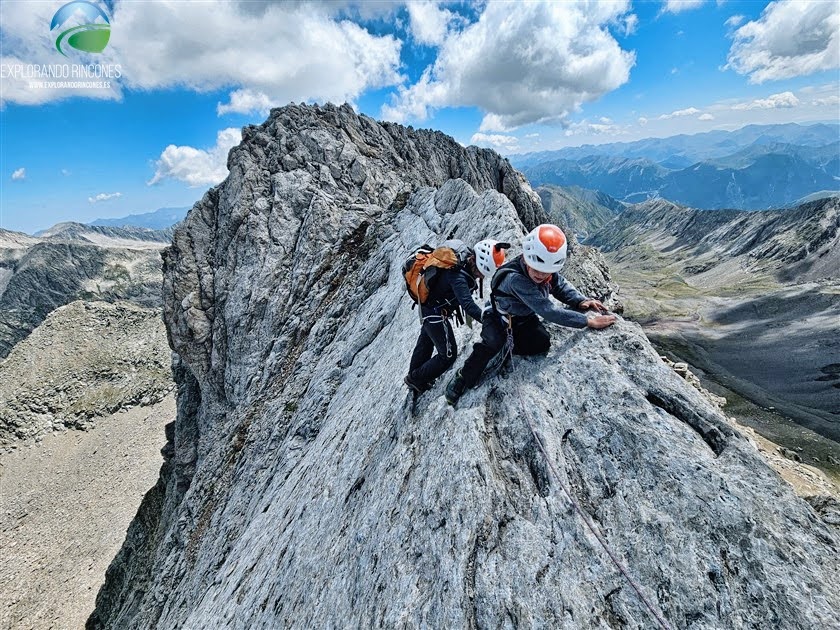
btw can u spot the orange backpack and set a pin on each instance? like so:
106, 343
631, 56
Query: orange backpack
420, 268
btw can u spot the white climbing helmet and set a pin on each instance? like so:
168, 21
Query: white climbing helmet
544, 248
489, 256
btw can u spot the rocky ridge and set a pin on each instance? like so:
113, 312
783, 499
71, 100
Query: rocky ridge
749, 298
581, 211
115, 236
87, 359
723, 246
71, 262
298, 490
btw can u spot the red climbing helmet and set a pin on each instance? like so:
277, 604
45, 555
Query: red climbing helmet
544, 248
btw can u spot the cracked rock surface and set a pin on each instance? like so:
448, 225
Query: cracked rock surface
300, 491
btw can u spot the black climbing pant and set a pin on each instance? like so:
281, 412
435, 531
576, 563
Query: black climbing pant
529, 337
436, 334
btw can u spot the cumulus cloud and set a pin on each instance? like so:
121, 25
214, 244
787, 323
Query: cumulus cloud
676, 6
197, 167
705, 117
429, 22
535, 64
495, 141
19, 174
735, 20
680, 112
790, 39
774, 101
265, 53
245, 101
104, 197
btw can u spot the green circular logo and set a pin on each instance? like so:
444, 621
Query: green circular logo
90, 36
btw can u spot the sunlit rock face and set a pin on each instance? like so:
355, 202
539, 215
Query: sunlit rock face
300, 490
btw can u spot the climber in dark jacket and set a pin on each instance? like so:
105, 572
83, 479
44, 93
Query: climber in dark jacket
451, 289
519, 297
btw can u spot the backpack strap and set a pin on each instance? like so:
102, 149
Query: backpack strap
512, 267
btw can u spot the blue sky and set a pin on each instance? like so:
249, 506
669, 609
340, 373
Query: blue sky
513, 77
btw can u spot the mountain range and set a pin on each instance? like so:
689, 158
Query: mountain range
578, 210
159, 219
748, 297
72, 261
756, 168
684, 150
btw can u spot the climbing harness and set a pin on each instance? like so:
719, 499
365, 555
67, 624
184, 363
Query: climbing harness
653, 610
440, 319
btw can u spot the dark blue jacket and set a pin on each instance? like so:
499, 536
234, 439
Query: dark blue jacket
451, 287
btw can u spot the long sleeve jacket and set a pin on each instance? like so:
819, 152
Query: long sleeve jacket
514, 293
452, 287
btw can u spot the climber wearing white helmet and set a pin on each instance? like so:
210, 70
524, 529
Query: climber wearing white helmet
520, 293
449, 291
489, 256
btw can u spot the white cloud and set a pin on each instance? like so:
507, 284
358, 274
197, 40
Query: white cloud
630, 24
244, 101
705, 117
774, 101
790, 39
265, 53
19, 174
65, 172
604, 120
532, 135
680, 112
429, 22
496, 141
828, 100
642, 120
735, 20
197, 167
676, 6
586, 128
674, 70
534, 64
104, 197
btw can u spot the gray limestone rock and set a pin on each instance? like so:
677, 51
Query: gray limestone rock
300, 491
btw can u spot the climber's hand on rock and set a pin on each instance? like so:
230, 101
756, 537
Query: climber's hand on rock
596, 304
601, 321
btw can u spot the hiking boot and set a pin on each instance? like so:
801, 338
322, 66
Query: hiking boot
455, 389
417, 388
